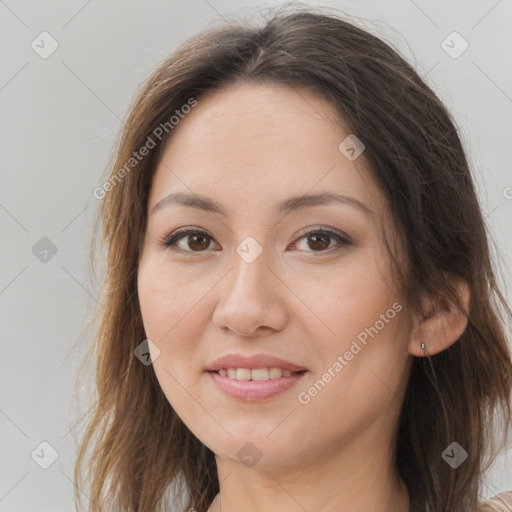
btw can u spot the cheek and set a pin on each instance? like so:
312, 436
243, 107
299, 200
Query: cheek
363, 350
168, 301
347, 298
171, 323
169, 319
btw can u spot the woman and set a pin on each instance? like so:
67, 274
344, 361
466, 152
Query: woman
299, 310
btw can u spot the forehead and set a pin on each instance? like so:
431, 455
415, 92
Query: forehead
259, 144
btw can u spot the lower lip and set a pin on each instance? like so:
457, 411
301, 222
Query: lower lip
254, 390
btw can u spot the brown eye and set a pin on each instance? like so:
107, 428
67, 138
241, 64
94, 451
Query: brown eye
319, 240
198, 241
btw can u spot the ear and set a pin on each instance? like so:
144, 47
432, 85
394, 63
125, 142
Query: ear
442, 324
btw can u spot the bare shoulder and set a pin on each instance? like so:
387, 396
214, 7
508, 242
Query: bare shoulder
502, 502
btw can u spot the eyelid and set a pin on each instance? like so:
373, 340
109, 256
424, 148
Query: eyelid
168, 241
323, 229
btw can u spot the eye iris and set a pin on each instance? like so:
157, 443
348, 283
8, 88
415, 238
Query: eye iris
204, 239
319, 246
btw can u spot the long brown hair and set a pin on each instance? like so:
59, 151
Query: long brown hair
142, 455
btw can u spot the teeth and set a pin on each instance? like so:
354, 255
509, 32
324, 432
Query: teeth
255, 374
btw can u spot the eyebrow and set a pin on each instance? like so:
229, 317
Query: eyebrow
288, 205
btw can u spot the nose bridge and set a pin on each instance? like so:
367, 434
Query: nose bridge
247, 298
250, 270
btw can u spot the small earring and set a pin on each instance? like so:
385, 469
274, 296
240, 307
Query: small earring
423, 346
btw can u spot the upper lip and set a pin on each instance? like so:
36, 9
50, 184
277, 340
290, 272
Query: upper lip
252, 362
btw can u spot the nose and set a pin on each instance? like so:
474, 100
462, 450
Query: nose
251, 298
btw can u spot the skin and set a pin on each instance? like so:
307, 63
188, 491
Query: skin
250, 147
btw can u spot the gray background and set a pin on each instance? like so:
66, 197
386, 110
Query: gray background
60, 117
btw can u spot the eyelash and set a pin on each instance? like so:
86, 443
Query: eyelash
169, 241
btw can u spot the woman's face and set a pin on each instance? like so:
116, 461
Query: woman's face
260, 279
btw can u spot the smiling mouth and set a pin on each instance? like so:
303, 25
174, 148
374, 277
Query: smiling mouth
256, 374
248, 389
